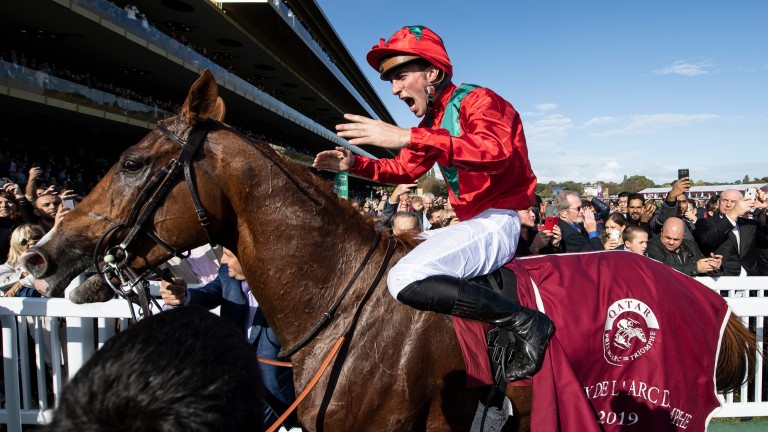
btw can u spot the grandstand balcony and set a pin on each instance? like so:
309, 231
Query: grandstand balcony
276, 79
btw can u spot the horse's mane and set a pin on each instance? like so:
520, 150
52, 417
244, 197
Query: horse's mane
315, 188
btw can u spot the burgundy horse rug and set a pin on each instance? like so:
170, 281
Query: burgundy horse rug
635, 347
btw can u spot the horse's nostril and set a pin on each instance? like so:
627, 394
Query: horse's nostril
34, 262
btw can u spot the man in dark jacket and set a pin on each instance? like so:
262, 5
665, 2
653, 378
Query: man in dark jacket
578, 227
230, 291
732, 234
683, 255
676, 205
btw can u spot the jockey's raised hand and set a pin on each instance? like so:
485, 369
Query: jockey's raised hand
340, 159
364, 130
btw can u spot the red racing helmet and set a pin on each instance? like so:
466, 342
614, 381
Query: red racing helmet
408, 44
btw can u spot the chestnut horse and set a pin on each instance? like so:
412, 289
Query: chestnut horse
299, 245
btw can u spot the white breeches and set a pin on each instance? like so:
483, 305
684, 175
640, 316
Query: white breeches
465, 250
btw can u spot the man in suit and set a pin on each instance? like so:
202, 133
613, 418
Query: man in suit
577, 225
230, 291
736, 232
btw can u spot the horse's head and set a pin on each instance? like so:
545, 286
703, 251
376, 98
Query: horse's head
106, 216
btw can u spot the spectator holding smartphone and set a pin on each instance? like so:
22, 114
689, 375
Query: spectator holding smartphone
676, 205
614, 230
736, 238
396, 202
533, 241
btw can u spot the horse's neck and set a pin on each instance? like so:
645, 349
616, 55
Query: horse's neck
298, 244
298, 285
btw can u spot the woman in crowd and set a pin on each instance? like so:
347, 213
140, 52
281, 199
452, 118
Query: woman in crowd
14, 281
448, 217
614, 229
535, 242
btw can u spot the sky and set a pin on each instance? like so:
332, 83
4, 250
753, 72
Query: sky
604, 88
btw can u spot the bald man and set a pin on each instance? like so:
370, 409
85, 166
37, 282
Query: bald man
683, 255
737, 231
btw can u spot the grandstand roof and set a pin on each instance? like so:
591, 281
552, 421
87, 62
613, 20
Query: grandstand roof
305, 81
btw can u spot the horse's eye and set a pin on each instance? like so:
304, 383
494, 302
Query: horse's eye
131, 165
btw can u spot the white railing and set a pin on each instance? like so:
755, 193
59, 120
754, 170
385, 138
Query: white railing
75, 332
64, 336
747, 298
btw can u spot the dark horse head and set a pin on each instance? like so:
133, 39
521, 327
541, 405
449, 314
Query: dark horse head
69, 248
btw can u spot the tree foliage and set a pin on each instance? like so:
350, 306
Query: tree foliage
636, 183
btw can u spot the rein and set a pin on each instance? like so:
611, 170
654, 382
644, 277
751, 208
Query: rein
115, 260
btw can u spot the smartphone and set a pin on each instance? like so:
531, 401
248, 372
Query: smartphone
68, 203
751, 193
550, 222
682, 173
614, 234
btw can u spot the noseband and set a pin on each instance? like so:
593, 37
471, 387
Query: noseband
114, 261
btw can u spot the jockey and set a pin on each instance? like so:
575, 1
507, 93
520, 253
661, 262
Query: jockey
477, 139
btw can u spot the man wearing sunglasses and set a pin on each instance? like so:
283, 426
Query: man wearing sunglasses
577, 224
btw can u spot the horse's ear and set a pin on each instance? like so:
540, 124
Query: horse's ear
203, 101
219, 110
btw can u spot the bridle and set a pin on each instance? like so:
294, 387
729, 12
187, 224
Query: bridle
113, 260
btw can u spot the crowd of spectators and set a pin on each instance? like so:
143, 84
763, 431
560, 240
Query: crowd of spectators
17, 60
724, 235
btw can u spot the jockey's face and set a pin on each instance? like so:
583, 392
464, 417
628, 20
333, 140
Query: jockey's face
409, 83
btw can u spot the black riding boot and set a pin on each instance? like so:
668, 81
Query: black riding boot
469, 299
